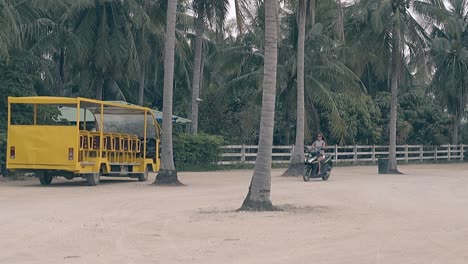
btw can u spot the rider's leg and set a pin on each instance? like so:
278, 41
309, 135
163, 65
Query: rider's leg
319, 165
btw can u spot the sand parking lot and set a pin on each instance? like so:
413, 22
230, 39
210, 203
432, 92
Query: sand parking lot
357, 217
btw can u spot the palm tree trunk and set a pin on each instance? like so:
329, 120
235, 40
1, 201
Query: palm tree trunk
258, 197
456, 128
167, 173
199, 25
296, 166
340, 23
312, 7
141, 88
461, 102
287, 128
62, 66
202, 67
99, 85
396, 64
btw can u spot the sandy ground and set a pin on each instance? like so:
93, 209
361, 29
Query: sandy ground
357, 217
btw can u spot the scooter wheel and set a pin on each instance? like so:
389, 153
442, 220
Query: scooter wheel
306, 176
326, 175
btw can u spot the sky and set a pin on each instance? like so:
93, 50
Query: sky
232, 10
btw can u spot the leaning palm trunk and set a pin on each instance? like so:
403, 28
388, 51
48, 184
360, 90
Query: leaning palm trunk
396, 68
258, 197
167, 173
296, 165
199, 27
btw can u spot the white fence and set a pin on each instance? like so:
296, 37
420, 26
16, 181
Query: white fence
244, 154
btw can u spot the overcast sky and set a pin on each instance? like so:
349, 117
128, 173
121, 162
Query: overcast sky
232, 10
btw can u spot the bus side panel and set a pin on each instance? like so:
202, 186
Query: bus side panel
42, 147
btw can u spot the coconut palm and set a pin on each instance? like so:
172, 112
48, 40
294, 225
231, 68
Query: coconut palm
18, 18
106, 32
449, 51
305, 9
390, 38
325, 72
167, 173
258, 197
214, 12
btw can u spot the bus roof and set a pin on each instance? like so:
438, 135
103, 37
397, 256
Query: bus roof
110, 107
55, 100
42, 100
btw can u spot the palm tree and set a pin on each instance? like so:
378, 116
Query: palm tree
207, 10
105, 29
241, 63
199, 7
258, 197
167, 173
392, 40
449, 51
143, 45
296, 166
325, 71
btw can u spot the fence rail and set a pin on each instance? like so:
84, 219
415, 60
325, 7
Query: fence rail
246, 154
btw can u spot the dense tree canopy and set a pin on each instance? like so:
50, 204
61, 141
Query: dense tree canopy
115, 50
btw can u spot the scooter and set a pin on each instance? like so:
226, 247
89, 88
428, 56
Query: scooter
311, 164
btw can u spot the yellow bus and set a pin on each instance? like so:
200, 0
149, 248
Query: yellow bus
80, 137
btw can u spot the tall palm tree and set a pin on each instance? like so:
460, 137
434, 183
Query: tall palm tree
143, 46
305, 8
167, 173
199, 6
258, 197
207, 10
242, 64
392, 40
449, 51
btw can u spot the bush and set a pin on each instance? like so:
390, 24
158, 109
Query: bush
196, 151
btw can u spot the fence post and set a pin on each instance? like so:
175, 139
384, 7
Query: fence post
373, 153
462, 153
421, 152
243, 154
449, 149
406, 153
336, 153
435, 153
355, 153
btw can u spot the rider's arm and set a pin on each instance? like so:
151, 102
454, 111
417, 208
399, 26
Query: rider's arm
312, 147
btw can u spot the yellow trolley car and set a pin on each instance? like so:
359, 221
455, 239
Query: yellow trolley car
79, 137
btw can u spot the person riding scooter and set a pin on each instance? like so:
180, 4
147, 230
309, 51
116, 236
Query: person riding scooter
319, 145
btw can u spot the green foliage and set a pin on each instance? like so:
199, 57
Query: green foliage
68, 48
428, 123
362, 117
199, 150
14, 81
464, 133
420, 119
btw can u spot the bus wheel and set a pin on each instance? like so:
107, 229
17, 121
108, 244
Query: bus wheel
45, 178
93, 178
143, 176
